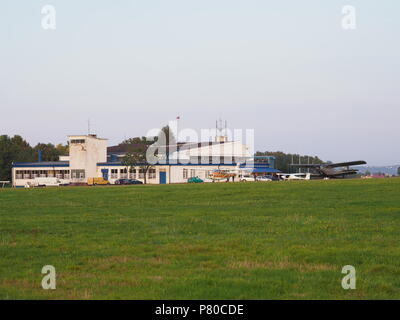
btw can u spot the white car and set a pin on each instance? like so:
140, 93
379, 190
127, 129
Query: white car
246, 178
263, 179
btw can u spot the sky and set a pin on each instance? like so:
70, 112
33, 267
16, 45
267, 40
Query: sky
286, 69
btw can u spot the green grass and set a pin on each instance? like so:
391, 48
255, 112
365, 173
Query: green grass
284, 240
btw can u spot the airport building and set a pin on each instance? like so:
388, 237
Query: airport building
89, 157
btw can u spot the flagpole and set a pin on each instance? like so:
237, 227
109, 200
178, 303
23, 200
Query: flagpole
177, 129
177, 137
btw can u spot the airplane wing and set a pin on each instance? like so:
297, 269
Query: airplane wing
346, 164
306, 165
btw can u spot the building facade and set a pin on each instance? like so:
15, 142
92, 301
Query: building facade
89, 157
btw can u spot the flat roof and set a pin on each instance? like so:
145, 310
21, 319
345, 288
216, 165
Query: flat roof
93, 136
40, 164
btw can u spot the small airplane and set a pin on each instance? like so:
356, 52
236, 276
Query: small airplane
327, 170
222, 175
294, 176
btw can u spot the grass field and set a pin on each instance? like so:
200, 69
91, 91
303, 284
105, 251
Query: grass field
284, 240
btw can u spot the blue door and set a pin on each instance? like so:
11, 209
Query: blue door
163, 177
104, 172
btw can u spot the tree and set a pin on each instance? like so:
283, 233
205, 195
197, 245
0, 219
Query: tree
398, 171
136, 157
14, 149
136, 140
62, 150
165, 140
168, 134
49, 151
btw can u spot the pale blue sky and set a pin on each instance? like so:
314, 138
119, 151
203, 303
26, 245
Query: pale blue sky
283, 68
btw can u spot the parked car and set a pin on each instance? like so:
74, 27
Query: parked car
127, 181
272, 177
97, 181
195, 180
264, 178
244, 178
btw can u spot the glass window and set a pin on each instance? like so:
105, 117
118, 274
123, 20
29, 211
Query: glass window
76, 141
152, 173
78, 174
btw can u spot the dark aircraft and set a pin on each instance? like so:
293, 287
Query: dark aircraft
327, 170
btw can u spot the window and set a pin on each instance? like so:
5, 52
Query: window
185, 173
66, 174
75, 141
78, 174
62, 174
42, 173
152, 173
192, 173
26, 174
18, 174
141, 173
132, 173
123, 173
114, 173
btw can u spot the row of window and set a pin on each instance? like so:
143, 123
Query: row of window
194, 173
80, 174
215, 159
32, 174
132, 174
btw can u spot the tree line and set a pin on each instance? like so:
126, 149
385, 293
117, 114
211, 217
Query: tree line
16, 149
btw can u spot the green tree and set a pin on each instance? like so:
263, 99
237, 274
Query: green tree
136, 140
63, 150
398, 171
165, 140
14, 149
136, 157
168, 134
49, 151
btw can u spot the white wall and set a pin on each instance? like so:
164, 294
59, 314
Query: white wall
22, 182
85, 156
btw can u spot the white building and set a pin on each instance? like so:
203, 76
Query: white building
89, 157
